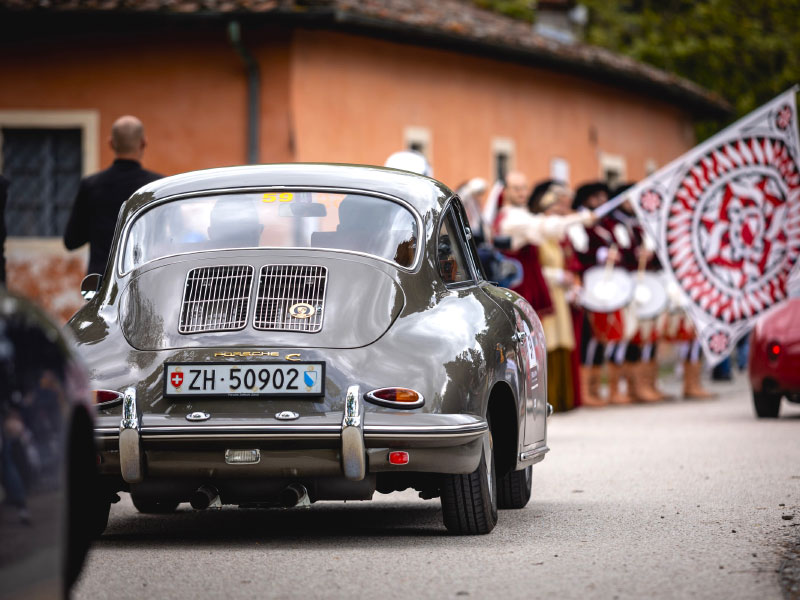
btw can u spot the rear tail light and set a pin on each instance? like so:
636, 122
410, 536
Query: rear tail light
774, 350
395, 397
106, 398
398, 457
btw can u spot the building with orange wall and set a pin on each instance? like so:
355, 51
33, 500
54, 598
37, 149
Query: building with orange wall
225, 82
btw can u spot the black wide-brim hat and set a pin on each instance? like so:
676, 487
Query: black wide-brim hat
586, 190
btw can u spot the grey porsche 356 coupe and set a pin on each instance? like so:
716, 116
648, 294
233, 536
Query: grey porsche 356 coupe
290, 333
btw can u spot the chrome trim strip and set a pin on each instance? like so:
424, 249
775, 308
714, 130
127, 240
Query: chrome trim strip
404, 435
369, 430
528, 454
266, 429
106, 430
245, 190
428, 429
130, 414
198, 437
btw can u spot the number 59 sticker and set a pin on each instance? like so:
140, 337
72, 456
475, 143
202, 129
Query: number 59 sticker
273, 197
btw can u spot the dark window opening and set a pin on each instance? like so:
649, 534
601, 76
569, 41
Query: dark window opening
44, 167
501, 160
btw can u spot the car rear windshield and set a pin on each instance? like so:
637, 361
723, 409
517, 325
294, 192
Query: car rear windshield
280, 219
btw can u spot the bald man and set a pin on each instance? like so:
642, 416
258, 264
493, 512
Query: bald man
100, 196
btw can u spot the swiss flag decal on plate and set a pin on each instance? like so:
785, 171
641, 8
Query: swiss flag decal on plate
176, 379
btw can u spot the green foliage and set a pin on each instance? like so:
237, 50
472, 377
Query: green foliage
748, 51
518, 9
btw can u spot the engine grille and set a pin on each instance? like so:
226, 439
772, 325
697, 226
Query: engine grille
280, 287
216, 298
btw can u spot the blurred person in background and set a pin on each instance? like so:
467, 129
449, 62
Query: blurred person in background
100, 196
592, 246
553, 199
527, 232
637, 351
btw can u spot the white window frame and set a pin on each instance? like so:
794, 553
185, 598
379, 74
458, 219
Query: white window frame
414, 135
506, 146
559, 163
613, 162
88, 121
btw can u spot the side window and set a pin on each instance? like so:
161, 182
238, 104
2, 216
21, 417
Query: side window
452, 262
472, 248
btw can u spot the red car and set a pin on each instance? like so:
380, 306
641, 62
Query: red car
775, 358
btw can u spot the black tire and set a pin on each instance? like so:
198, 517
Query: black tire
154, 507
514, 490
767, 405
99, 519
87, 502
469, 502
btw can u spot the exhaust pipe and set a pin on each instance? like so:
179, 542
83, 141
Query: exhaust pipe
294, 495
204, 497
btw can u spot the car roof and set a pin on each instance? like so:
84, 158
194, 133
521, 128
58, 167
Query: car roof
424, 193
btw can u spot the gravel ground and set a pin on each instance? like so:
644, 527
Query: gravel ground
679, 499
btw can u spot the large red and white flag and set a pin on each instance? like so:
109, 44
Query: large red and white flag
726, 220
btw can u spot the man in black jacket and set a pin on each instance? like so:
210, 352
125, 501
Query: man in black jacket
100, 196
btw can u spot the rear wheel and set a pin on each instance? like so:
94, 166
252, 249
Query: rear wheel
469, 502
767, 404
151, 506
514, 489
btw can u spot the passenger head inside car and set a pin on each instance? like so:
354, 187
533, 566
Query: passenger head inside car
234, 223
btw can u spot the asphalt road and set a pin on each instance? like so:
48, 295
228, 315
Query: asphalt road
675, 500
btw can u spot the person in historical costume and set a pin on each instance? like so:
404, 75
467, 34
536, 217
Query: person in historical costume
559, 330
680, 330
594, 246
528, 232
640, 368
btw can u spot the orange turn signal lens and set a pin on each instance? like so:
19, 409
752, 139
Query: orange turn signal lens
106, 398
395, 397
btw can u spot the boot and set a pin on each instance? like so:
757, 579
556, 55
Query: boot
589, 388
615, 395
651, 372
641, 391
692, 388
595, 378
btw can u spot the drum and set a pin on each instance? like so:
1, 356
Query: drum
649, 297
607, 327
650, 302
606, 290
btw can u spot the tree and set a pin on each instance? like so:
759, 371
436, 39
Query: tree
748, 51
518, 9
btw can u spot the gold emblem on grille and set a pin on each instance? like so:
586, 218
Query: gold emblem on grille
302, 310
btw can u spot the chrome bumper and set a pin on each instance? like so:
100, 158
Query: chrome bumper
357, 445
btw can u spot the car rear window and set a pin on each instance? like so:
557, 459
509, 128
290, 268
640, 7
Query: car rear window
281, 219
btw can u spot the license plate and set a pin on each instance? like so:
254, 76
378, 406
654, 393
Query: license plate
296, 379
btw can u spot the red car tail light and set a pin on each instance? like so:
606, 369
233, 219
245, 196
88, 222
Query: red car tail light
106, 398
398, 457
395, 397
774, 350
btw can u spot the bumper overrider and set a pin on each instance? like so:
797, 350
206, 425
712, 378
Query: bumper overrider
356, 445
